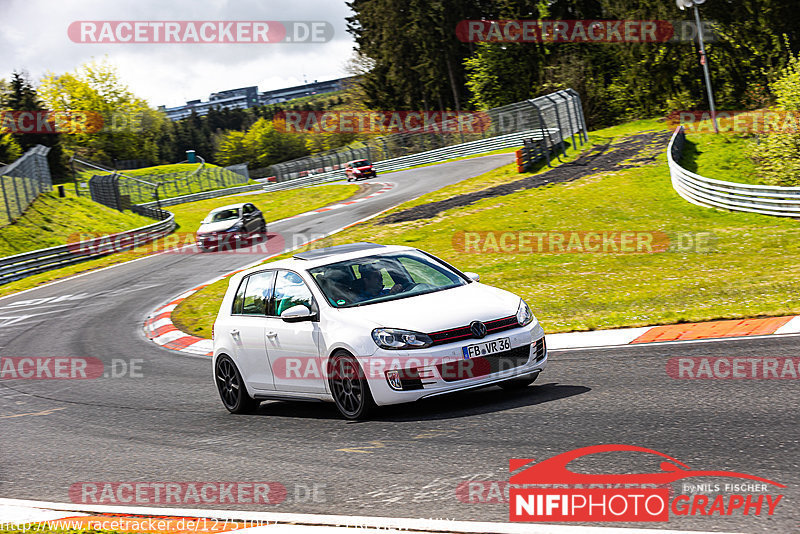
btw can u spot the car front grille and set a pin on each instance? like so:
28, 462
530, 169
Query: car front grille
541, 349
485, 365
462, 333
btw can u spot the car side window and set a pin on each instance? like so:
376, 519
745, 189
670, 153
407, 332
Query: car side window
258, 293
291, 290
236, 309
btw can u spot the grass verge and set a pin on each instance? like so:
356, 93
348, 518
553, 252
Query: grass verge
722, 156
720, 264
275, 205
49, 221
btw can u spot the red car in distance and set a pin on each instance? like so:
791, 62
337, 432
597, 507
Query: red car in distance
359, 169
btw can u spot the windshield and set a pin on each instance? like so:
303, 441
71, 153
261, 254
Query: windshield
361, 163
380, 278
222, 215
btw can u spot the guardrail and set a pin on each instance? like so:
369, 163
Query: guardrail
553, 135
204, 195
561, 110
710, 193
38, 261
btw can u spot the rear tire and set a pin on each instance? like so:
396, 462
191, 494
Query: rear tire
232, 390
516, 384
349, 387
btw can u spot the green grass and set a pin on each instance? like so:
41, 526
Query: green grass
751, 269
13, 187
51, 221
721, 156
157, 170
275, 205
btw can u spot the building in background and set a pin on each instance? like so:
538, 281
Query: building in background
246, 97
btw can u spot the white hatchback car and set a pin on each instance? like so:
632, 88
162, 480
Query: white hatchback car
364, 325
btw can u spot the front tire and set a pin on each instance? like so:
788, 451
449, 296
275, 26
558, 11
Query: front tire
516, 384
349, 387
231, 387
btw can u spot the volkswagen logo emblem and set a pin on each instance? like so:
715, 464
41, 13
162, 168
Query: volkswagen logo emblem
478, 329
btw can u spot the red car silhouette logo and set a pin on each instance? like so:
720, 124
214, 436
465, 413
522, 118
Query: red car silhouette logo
554, 470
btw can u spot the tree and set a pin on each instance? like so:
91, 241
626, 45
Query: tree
20, 95
129, 127
262, 145
778, 153
9, 148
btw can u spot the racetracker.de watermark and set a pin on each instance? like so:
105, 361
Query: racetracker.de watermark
753, 122
382, 122
581, 31
68, 368
96, 243
199, 31
733, 368
67, 122
195, 492
588, 242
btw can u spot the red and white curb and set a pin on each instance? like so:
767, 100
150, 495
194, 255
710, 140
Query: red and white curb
162, 331
159, 327
29, 515
682, 332
386, 187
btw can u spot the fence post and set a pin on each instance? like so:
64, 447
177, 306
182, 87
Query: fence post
560, 128
579, 106
74, 176
545, 134
18, 208
6, 199
572, 129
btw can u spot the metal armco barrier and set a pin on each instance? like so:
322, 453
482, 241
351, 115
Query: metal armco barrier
710, 193
432, 156
202, 196
558, 112
29, 263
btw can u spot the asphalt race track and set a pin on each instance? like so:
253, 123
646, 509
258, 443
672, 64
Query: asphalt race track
169, 425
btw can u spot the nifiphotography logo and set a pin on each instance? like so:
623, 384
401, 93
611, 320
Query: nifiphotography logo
623, 497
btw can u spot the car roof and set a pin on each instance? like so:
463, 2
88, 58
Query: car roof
333, 255
355, 160
229, 207
326, 252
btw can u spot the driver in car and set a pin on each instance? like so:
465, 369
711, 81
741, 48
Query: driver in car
372, 284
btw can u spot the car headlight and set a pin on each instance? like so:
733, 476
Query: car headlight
395, 339
236, 227
524, 314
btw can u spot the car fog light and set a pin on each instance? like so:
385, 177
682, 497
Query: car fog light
393, 377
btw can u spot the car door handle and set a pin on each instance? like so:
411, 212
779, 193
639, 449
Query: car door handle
272, 334
235, 333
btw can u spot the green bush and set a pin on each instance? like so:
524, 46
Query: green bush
778, 154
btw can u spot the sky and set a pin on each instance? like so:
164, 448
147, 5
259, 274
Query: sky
34, 37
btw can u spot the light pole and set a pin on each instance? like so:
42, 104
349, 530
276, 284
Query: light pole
683, 4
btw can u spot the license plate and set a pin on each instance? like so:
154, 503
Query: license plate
486, 348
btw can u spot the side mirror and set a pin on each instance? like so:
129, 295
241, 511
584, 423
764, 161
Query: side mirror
475, 277
296, 314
